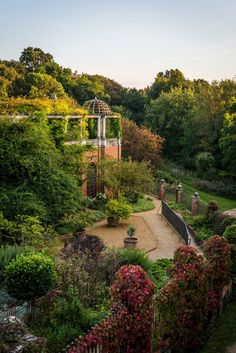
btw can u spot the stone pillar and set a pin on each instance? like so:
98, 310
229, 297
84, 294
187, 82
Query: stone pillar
103, 132
99, 130
162, 190
195, 203
179, 194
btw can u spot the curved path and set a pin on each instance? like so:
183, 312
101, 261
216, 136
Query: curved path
155, 236
167, 239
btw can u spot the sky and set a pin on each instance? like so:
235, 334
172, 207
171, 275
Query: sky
129, 41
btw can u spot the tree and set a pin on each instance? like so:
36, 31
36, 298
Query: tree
134, 101
34, 59
7, 76
167, 115
167, 81
35, 178
228, 139
126, 177
30, 276
38, 85
88, 87
140, 143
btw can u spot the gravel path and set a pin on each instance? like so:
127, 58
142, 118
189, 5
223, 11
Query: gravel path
155, 236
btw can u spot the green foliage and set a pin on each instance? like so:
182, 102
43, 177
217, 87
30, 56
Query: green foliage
230, 234
118, 209
158, 272
228, 138
113, 128
167, 115
34, 176
9, 253
227, 221
143, 204
205, 161
64, 321
131, 231
34, 59
133, 257
30, 276
126, 177
75, 222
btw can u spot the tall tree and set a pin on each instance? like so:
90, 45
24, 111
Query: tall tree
166, 116
228, 139
166, 81
140, 143
34, 59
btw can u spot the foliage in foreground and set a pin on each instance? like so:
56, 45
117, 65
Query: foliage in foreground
30, 276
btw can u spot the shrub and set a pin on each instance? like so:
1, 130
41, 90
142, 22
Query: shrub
30, 276
182, 302
217, 253
230, 234
91, 246
133, 257
126, 177
75, 222
227, 221
144, 204
98, 202
205, 161
10, 253
117, 209
159, 272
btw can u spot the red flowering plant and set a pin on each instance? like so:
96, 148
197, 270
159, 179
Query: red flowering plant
182, 303
217, 252
130, 323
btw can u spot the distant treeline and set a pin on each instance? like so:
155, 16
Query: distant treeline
196, 118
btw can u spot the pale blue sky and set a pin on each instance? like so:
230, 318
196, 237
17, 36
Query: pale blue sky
127, 40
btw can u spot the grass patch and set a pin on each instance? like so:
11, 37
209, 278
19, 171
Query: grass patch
224, 203
223, 335
144, 204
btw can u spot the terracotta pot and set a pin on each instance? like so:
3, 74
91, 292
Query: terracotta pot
130, 242
112, 222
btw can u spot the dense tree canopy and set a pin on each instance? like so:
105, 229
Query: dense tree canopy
189, 115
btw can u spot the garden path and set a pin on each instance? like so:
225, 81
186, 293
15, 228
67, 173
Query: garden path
155, 236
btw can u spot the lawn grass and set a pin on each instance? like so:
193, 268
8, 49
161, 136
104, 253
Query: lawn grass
223, 335
141, 205
175, 173
224, 203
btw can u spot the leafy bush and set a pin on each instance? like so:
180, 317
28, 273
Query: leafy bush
227, 221
25, 230
30, 276
75, 222
230, 234
205, 161
158, 272
98, 202
35, 178
133, 257
143, 204
64, 321
118, 209
123, 177
10, 253
216, 187
90, 245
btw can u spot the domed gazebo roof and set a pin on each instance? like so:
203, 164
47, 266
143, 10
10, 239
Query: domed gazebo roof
97, 107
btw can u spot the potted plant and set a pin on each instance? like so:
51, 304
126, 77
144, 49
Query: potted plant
131, 241
76, 223
116, 210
